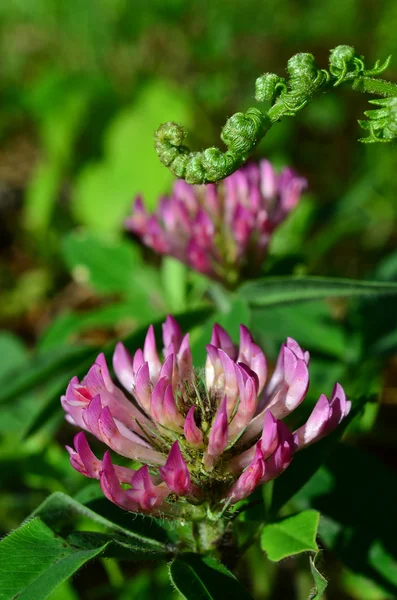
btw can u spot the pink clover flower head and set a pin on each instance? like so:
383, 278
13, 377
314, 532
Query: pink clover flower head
207, 436
221, 230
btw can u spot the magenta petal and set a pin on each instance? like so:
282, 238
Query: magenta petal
173, 418
249, 479
111, 487
185, 360
108, 427
203, 228
268, 180
150, 355
91, 464
289, 353
91, 416
269, 439
85, 461
278, 461
198, 257
218, 436
297, 350
242, 227
154, 236
251, 355
230, 389
157, 400
94, 380
143, 387
338, 406
192, 433
138, 361
167, 369
137, 222
316, 424
175, 472
123, 367
125, 445
104, 371
221, 339
292, 389
144, 491
247, 403
172, 335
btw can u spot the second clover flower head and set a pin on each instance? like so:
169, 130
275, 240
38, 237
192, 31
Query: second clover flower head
221, 230
203, 437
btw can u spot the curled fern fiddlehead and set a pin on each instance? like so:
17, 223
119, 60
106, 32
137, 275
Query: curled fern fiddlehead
243, 131
240, 134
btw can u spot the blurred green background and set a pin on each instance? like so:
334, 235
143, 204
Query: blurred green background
83, 86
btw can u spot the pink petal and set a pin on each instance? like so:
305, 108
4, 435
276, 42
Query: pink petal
221, 339
111, 487
143, 387
150, 355
123, 367
185, 360
268, 180
315, 426
175, 472
249, 479
192, 433
218, 436
172, 336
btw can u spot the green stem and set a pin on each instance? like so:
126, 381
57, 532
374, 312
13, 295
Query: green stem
380, 87
243, 131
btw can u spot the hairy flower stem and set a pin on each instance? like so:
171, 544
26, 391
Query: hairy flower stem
380, 87
243, 131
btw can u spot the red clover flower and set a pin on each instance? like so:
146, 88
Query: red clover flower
204, 437
221, 230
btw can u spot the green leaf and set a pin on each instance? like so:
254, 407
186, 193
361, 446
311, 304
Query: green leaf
59, 112
40, 368
359, 534
104, 190
311, 323
291, 235
59, 510
106, 264
198, 577
34, 561
383, 561
291, 535
319, 581
273, 291
70, 325
173, 274
117, 546
12, 351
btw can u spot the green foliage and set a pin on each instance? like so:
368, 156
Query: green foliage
60, 510
358, 534
320, 582
204, 578
291, 535
104, 190
34, 562
274, 291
